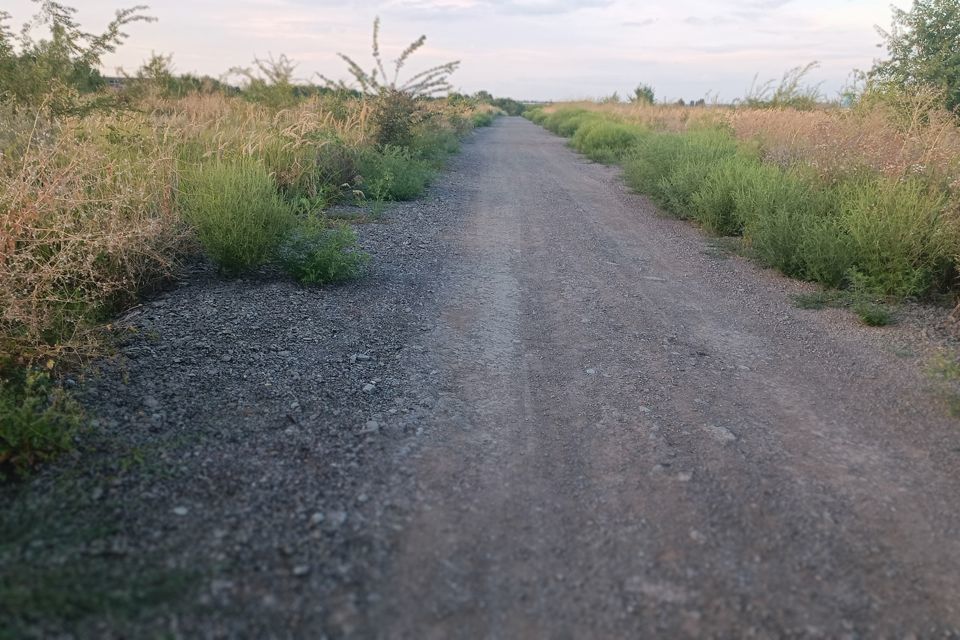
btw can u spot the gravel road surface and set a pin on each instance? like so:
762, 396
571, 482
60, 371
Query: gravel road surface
548, 412
638, 439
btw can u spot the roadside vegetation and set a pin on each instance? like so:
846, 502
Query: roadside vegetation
105, 191
864, 197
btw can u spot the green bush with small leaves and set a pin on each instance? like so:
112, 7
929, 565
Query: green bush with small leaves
315, 252
394, 173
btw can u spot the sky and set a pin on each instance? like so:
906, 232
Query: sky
526, 49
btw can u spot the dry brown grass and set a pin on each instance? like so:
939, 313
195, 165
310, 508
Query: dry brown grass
836, 142
84, 226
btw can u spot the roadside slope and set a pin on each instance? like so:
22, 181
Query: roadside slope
635, 436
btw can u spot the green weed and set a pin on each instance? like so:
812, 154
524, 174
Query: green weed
536, 116
892, 236
819, 300
672, 168
434, 146
565, 122
896, 234
605, 141
714, 202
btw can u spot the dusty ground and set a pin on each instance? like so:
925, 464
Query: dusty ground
584, 422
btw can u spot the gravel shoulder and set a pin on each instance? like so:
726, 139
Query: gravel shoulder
547, 412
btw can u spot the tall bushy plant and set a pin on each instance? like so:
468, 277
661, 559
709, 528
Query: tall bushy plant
897, 234
791, 92
424, 83
643, 94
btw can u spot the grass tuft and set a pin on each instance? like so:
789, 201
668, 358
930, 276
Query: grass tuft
237, 213
819, 300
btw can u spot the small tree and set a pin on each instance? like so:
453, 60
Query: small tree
643, 94
57, 71
155, 75
923, 45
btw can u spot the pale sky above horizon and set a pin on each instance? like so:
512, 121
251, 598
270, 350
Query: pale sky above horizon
526, 49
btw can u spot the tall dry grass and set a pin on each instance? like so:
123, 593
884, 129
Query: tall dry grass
87, 215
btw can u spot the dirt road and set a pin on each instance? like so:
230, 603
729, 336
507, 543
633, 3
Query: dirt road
637, 438
548, 412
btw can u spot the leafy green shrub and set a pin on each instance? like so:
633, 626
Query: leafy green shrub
393, 115
394, 174
779, 209
897, 234
484, 118
316, 253
873, 315
236, 210
37, 420
605, 141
